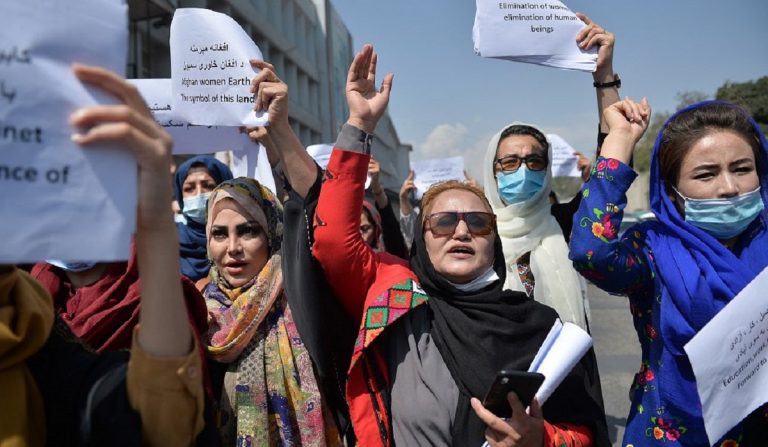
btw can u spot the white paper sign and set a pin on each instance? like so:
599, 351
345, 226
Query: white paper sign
563, 348
187, 138
210, 70
539, 32
428, 172
321, 153
564, 161
729, 357
252, 162
58, 200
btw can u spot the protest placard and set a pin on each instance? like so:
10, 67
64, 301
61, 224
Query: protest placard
58, 200
321, 153
539, 32
210, 69
564, 159
187, 138
428, 172
729, 357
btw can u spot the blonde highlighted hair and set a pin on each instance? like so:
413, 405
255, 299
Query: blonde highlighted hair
438, 188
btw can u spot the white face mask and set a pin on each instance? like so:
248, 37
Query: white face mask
195, 207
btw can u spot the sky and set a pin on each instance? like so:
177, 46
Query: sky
446, 101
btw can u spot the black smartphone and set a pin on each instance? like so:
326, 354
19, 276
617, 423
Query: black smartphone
523, 383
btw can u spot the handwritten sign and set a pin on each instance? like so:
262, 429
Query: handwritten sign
729, 357
564, 160
58, 200
428, 172
539, 32
210, 70
187, 138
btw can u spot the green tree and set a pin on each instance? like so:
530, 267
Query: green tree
642, 157
753, 95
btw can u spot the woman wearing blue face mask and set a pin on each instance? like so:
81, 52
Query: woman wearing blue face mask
535, 250
194, 180
708, 189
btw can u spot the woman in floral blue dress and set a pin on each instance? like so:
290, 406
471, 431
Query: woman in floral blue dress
708, 189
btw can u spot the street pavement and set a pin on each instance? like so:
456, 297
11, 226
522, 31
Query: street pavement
618, 355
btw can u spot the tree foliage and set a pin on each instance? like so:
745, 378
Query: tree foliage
753, 95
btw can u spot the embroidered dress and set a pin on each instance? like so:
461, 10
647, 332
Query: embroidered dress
626, 266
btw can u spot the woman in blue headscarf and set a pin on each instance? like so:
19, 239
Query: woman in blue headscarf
708, 189
193, 183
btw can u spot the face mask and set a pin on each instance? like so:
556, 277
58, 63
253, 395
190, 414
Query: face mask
72, 266
724, 218
521, 185
195, 207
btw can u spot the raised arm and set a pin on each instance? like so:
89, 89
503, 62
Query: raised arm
278, 137
348, 263
615, 265
594, 35
164, 362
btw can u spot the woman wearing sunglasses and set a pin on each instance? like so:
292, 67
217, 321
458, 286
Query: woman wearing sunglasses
517, 178
432, 334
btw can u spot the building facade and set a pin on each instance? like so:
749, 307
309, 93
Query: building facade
311, 49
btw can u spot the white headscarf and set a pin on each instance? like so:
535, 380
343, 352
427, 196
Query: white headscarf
530, 226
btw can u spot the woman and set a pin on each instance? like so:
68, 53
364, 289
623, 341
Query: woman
433, 335
193, 182
709, 186
57, 392
270, 394
535, 246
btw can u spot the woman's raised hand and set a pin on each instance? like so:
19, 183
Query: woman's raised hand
366, 104
271, 93
594, 34
629, 118
131, 125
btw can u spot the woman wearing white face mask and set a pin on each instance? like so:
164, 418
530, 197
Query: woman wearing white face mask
193, 182
708, 189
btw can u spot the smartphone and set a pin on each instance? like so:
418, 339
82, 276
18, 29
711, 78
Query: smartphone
523, 383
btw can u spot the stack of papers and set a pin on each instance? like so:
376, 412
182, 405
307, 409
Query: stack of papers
564, 346
541, 32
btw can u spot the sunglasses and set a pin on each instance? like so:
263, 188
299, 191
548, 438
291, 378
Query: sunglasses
512, 163
444, 224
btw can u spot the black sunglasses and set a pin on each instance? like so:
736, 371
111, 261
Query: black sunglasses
444, 223
512, 163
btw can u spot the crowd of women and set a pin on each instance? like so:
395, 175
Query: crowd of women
302, 317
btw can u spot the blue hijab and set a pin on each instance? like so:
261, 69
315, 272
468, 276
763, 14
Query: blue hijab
194, 259
699, 276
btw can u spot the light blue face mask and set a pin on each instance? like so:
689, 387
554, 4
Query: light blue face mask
520, 185
195, 207
72, 266
724, 218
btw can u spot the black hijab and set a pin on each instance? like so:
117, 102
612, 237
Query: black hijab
479, 333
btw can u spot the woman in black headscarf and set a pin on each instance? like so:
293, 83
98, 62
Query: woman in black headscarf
432, 336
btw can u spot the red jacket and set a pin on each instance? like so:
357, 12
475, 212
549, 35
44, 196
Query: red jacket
375, 289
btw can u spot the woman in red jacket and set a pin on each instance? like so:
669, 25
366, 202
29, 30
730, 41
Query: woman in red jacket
433, 333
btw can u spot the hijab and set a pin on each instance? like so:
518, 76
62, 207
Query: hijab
490, 329
698, 274
375, 219
26, 319
236, 312
104, 314
194, 262
530, 227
